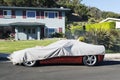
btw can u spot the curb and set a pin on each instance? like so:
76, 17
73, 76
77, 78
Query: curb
112, 56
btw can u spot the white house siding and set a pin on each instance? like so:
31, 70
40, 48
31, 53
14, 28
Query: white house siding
49, 23
118, 25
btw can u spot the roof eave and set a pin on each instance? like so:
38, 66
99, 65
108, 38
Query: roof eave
35, 8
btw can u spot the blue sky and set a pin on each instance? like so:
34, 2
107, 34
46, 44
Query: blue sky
104, 5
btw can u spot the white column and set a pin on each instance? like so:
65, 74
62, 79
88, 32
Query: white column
16, 33
38, 33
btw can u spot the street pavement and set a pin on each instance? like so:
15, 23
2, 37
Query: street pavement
107, 70
108, 56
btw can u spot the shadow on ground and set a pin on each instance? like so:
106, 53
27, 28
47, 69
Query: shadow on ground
104, 63
3, 56
109, 63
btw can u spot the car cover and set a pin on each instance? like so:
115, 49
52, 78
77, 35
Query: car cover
57, 49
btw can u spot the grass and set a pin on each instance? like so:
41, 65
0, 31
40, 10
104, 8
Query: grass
11, 46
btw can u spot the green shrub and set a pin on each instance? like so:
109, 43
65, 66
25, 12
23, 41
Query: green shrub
102, 26
58, 35
81, 38
74, 28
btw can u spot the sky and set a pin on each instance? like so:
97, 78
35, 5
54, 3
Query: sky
104, 5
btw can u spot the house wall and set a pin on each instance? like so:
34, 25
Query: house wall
49, 22
118, 25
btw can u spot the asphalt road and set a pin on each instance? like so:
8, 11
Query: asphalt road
108, 70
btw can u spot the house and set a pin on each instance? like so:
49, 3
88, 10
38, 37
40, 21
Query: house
31, 23
116, 20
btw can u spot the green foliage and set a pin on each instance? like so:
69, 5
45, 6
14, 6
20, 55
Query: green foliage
76, 27
76, 7
91, 20
94, 13
57, 35
107, 38
110, 14
81, 38
29, 3
100, 26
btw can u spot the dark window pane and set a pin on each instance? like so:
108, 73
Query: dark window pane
51, 15
51, 30
31, 14
46, 14
5, 12
56, 14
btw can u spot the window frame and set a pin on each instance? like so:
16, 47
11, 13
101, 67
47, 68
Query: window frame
55, 14
8, 14
51, 32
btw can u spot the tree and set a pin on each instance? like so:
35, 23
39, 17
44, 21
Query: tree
1, 2
110, 14
94, 13
29, 3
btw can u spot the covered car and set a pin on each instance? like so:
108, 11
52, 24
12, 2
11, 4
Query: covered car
89, 54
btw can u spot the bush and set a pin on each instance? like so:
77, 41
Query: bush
116, 48
74, 28
103, 26
58, 35
103, 37
81, 39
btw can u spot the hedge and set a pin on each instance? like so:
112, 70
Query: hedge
104, 26
74, 28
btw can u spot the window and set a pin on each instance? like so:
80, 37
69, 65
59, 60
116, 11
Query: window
51, 30
7, 13
31, 14
51, 14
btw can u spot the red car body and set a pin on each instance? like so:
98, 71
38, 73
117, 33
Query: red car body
68, 60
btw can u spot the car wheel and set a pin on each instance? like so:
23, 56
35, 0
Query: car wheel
90, 60
29, 63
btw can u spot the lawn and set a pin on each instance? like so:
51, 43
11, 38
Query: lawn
10, 46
